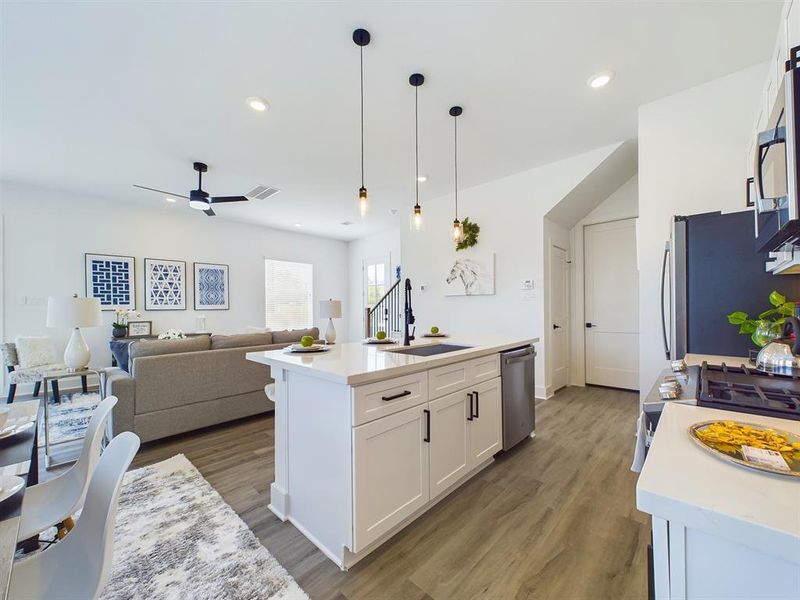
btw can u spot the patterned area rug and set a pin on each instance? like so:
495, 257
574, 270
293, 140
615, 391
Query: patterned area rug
68, 419
176, 538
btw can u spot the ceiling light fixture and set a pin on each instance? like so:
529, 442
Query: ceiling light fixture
422, 178
458, 228
600, 79
298, 224
361, 37
416, 80
257, 104
170, 200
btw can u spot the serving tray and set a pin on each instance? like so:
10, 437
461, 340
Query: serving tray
735, 452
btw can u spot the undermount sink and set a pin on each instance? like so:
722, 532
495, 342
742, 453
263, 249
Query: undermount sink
430, 350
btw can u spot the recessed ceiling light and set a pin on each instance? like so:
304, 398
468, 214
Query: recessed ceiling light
600, 79
169, 199
257, 104
298, 224
422, 178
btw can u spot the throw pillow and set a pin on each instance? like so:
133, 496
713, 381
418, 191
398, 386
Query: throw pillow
35, 351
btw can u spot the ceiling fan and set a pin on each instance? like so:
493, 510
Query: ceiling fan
199, 199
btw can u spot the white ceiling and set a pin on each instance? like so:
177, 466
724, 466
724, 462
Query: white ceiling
99, 96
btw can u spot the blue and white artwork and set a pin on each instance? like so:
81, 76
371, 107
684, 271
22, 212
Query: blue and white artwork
165, 284
211, 290
111, 280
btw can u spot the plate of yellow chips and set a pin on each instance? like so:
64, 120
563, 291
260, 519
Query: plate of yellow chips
754, 446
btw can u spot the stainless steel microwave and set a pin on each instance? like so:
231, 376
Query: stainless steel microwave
776, 169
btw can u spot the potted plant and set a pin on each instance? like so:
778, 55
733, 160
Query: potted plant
769, 324
119, 327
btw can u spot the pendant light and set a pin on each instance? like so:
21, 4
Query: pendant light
361, 37
458, 228
416, 80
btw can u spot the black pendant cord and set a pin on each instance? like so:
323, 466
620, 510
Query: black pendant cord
361, 48
416, 144
455, 162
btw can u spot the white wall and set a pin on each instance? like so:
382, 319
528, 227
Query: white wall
47, 232
692, 149
385, 244
622, 204
511, 213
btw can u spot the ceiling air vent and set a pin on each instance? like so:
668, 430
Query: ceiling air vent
261, 192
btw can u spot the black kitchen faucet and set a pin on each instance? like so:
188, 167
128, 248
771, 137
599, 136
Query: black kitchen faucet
409, 316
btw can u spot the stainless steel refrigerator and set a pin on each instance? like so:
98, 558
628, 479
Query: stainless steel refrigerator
711, 268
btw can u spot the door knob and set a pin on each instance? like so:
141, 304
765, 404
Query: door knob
589, 325
556, 326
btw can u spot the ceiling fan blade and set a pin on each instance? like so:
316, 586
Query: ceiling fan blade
217, 199
141, 187
210, 212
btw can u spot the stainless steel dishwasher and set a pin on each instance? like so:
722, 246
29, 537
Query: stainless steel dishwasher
519, 404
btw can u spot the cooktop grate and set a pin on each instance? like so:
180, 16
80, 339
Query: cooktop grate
749, 390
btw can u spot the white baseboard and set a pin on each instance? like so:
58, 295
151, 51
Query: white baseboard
544, 393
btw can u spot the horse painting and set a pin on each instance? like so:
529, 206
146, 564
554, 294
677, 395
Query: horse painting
471, 277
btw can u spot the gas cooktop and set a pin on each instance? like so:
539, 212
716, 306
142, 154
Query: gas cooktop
749, 390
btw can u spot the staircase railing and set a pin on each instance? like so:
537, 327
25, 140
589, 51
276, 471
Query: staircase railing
387, 314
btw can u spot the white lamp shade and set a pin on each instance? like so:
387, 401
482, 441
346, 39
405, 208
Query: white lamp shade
66, 312
330, 309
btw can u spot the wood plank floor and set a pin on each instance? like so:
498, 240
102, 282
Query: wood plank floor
553, 518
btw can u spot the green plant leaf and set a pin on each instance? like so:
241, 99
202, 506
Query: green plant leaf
737, 318
772, 312
787, 309
776, 298
756, 340
747, 327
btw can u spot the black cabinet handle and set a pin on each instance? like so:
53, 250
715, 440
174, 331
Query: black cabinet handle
427, 425
402, 394
477, 405
471, 407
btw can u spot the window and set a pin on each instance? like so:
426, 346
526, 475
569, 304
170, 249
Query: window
375, 281
289, 294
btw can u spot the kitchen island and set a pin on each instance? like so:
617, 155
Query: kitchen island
720, 530
369, 437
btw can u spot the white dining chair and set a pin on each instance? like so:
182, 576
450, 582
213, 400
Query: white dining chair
79, 565
52, 501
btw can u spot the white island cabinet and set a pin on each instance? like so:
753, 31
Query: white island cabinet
720, 531
368, 438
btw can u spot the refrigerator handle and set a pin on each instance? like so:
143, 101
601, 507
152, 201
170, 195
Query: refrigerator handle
663, 307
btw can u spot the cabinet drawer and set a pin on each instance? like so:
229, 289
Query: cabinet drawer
485, 368
383, 398
449, 378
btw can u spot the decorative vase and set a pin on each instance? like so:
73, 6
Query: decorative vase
119, 332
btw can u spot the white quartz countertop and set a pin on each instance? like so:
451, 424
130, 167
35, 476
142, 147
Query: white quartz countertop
683, 483
356, 363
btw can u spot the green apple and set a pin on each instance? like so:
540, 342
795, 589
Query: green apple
381, 335
306, 341
434, 330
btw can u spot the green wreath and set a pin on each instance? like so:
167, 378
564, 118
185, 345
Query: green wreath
470, 237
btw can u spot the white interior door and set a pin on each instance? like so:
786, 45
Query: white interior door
612, 304
559, 317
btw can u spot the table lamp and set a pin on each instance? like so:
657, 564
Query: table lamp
330, 309
75, 313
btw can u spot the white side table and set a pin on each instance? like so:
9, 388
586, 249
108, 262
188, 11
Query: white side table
56, 376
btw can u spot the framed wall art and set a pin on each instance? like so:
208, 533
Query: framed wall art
164, 284
140, 329
111, 279
211, 287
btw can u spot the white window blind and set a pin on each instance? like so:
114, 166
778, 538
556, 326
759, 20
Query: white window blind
289, 294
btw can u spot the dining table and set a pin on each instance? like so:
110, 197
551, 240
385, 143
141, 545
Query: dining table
19, 455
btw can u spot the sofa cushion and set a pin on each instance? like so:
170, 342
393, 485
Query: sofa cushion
157, 347
240, 340
35, 351
293, 335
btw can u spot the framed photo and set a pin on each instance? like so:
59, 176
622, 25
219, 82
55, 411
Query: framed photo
211, 287
140, 329
472, 274
751, 192
164, 284
111, 279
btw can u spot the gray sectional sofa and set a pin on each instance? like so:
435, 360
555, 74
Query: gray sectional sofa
175, 386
